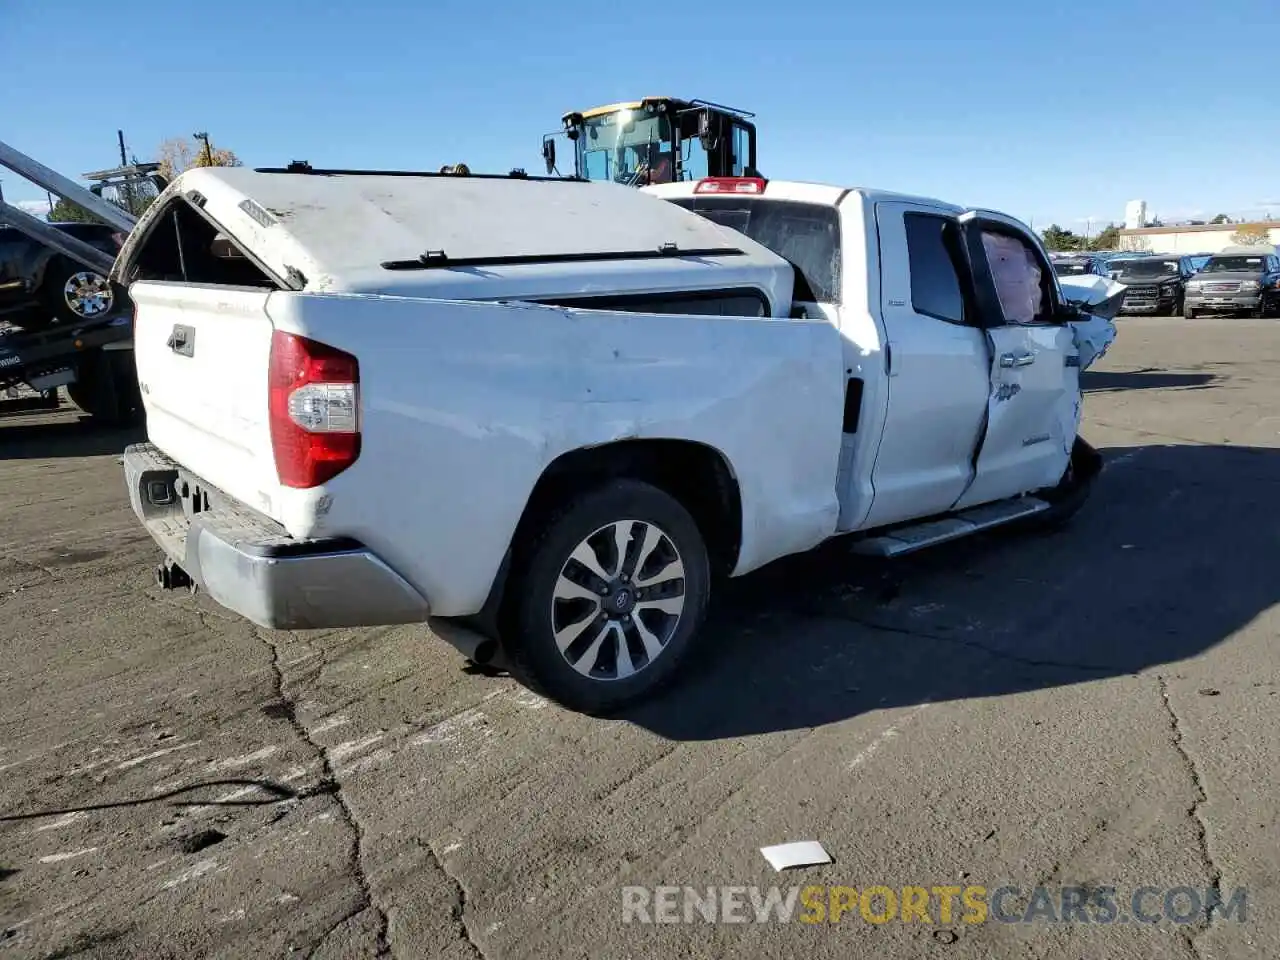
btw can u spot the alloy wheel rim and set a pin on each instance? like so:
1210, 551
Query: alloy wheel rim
88, 294
618, 600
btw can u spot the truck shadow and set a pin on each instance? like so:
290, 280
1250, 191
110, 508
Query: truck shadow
1102, 381
1168, 559
63, 435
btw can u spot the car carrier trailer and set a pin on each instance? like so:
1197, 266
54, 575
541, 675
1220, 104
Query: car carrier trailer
92, 360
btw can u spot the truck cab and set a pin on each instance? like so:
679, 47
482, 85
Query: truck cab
657, 140
961, 354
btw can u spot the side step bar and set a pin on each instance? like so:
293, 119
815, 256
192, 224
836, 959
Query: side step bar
902, 540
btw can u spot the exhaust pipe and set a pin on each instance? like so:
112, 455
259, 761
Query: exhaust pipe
476, 647
170, 576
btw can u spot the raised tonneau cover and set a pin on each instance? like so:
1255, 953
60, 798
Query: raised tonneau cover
384, 232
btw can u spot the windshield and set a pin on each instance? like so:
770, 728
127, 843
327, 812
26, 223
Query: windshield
1229, 264
1147, 268
627, 147
805, 234
1069, 268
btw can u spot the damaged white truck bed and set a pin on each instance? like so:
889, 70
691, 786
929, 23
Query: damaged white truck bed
544, 415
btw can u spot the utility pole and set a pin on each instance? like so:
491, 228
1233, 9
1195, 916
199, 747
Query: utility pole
124, 157
208, 151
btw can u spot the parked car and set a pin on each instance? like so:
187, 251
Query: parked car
574, 404
1199, 260
1156, 285
1237, 280
40, 287
1081, 265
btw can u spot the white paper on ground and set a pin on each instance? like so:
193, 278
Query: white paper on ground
802, 853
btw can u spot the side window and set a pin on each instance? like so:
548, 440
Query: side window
935, 282
1018, 276
693, 160
744, 302
741, 150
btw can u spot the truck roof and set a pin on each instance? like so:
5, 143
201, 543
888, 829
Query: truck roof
365, 231
801, 191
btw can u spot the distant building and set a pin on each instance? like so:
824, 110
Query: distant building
1135, 214
1188, 238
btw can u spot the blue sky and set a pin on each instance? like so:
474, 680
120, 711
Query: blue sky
1049, 111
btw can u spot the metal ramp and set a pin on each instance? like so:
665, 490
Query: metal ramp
70, 191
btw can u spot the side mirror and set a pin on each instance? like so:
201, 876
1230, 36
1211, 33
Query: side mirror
549, 154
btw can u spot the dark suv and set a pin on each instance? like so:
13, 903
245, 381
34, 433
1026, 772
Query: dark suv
1237, 280
39, 287
1156, 285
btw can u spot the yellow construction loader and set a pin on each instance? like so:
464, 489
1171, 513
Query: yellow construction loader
656, 140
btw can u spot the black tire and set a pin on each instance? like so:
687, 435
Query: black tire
1072, 491
534, 656
106, 389
62, 307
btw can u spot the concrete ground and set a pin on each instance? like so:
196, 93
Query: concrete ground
1086, 710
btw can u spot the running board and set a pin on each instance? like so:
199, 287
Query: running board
918, 536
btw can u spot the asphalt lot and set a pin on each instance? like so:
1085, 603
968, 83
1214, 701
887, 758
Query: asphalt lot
1092, 709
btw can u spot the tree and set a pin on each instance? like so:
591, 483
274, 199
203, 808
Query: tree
1057, 239
178, 154
1251, 235
66, 212
1107, 239
1221, 218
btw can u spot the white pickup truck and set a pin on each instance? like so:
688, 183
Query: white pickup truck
544, 415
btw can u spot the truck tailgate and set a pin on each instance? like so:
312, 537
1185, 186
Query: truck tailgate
203, 354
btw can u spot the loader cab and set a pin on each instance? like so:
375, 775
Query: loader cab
656, 140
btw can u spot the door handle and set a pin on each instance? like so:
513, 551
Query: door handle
1017, 359
182, 340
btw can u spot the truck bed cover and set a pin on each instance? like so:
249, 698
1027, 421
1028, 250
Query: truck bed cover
346, 231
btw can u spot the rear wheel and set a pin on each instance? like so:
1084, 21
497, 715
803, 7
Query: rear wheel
610, 598
106, 388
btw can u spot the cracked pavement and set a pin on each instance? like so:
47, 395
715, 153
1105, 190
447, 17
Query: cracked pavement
1090, 709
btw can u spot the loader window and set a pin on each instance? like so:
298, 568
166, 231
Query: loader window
183, 247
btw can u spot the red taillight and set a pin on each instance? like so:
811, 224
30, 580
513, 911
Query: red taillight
314, 399
730, 185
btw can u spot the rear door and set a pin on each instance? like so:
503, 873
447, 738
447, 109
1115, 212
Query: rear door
936, 363
1033, 409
